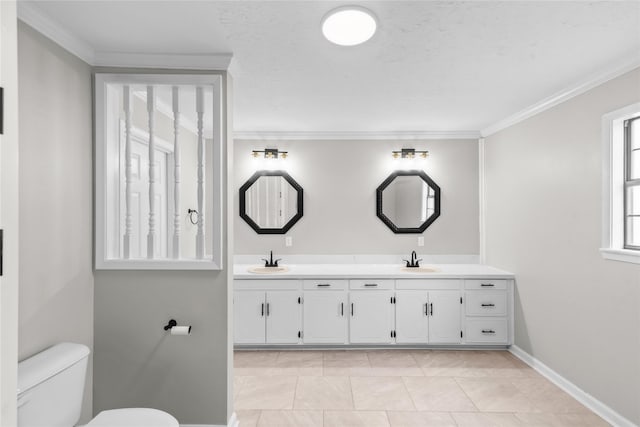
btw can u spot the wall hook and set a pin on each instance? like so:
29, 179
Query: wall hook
191, 212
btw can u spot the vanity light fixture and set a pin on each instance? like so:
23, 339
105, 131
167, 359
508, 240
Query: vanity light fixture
349, 25
270, 153
409, 153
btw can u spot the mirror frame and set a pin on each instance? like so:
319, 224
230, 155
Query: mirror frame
243, 202
388, 222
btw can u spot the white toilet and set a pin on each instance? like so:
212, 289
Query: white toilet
50, 388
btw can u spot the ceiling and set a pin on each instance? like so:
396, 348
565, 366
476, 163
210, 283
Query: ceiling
432, 66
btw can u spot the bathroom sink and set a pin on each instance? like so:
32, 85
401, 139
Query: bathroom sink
420, 269
268, 270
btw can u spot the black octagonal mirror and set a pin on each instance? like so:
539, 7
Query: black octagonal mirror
271, 202
408, 201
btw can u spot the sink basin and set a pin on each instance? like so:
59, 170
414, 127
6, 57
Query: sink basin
419, 269
268, 270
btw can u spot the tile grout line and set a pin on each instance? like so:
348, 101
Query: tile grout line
413, 402
455, 379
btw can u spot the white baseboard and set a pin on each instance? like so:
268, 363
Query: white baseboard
233, 422
604, 411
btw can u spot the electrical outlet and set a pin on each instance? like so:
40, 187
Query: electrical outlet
288, 241
421, 241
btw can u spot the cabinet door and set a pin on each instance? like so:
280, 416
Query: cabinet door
249, 317
283, 317
444, 317
325, 317
412, 323
371, 317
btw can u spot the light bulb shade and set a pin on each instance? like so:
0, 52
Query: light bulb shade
349, 25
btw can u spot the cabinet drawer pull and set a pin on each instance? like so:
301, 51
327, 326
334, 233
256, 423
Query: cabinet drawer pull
426, 308
341, 309
487, 285
488, 305
488, 331
262, 314
431, 311
370, 285
267, 309
351, 309
323, 285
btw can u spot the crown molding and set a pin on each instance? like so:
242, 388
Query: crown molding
172, 61
350, 136
572, 91
33, 16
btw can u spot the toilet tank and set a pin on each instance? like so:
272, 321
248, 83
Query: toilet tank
50, 386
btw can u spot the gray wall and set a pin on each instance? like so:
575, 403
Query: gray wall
138, 364
575, 311
55, 184
340, 178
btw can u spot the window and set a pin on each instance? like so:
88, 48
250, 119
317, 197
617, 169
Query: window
621, 184
158, 171
631, 129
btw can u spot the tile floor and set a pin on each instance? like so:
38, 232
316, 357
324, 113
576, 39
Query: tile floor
408, 388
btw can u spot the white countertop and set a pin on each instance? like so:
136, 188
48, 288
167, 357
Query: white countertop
370, 271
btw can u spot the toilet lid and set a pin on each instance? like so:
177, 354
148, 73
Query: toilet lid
133, 417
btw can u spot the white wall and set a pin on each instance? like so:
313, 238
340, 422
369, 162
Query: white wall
340, 178
575, 311
55, 201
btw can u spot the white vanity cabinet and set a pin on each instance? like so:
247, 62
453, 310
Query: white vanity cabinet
248, 317
412, 317
450, 309
371, 316
325, 312
283, 324
487, 311
445, 323
267, 316
428, 312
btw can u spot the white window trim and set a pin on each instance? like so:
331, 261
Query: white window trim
613, 186
214, 257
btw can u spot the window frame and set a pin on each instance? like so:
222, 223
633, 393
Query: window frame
214, 249
628, 181
615, 171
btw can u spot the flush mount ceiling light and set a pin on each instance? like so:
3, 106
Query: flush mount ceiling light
349, 25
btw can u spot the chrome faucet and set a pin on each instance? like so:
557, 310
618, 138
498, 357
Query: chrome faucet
414, 263
270, 262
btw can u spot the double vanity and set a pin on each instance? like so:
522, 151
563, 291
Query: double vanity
352, 305
364, 304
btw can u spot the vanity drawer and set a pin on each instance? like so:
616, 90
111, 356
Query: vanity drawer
486, 303
486, 330
486, 284
267, 284
325, 284
428, 284
371, 284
